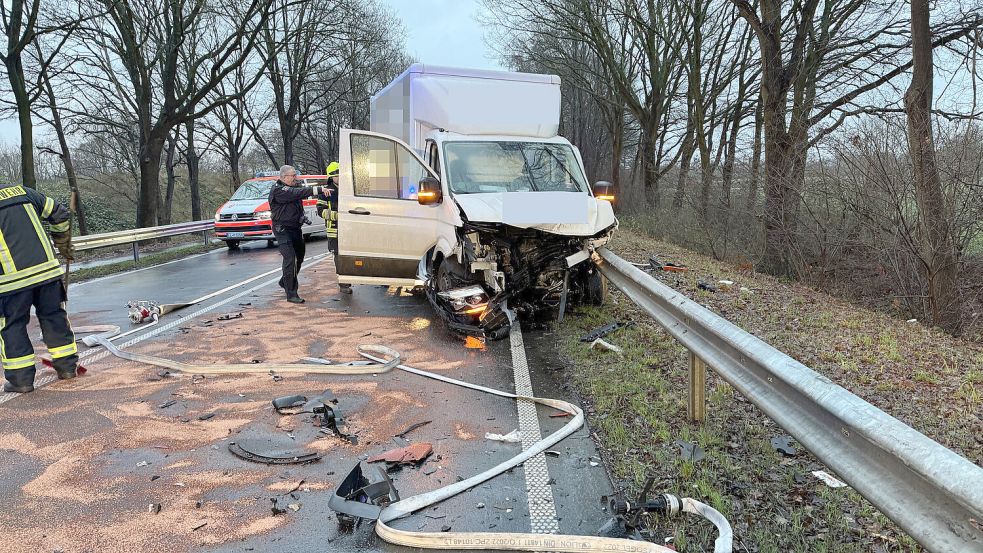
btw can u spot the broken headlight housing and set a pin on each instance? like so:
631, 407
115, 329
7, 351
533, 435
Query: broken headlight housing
468, 300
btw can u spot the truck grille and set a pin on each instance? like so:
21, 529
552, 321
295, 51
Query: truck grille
244, 228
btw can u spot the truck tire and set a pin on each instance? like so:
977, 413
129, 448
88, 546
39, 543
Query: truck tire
232, 244
595, 287
270, 243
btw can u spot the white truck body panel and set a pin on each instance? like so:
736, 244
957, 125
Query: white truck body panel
425, 98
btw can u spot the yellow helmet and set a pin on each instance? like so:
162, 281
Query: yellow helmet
332, 169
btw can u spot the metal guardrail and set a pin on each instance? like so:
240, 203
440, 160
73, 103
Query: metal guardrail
135, 236
931, 492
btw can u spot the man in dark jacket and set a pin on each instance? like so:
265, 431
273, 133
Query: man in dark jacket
287, 208
31, 276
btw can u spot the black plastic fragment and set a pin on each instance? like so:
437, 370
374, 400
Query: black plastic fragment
261, 451
603, 331
359, 498
783, 445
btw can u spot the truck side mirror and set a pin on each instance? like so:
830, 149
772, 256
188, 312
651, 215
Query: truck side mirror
429, 192
604, 190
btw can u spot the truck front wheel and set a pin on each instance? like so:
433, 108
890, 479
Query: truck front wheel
595, 287
232, 244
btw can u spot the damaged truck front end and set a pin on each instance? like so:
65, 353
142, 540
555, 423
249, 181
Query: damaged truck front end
500, 273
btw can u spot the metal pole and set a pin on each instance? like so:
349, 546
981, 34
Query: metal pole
697, 407
204, 236
136, 252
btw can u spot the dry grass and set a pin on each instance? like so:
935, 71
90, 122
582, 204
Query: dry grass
929, 380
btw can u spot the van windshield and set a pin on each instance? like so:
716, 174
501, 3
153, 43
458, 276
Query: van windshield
253, 190
481, 167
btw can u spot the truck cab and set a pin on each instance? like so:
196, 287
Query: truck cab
494, 218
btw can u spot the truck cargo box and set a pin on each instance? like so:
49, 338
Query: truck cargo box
466, 101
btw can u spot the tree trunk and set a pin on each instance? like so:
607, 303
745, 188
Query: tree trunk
191, 157
617, 147
66, 157
649, 170
939, 262
169, 163
15, 74
148, 207
234, 168
752, 189
287, 135
686, 157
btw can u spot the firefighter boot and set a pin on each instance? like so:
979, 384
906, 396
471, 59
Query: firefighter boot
19, 380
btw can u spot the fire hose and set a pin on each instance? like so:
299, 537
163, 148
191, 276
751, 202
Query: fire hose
505, 541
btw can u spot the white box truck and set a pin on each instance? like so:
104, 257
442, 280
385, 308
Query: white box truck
463, 186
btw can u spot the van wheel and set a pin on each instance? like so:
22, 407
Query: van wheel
450, 274
270, 243
232, 244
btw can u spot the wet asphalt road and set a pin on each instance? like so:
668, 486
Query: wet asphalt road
121, 451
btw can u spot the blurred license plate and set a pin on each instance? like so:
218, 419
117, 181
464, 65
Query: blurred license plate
236, 234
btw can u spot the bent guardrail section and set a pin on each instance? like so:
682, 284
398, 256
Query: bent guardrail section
931, 492
135, 236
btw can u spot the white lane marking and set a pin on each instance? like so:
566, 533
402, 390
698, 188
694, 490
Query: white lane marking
542, 508
94, 354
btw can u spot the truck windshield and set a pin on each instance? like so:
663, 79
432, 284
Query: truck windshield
481, 167
253, 190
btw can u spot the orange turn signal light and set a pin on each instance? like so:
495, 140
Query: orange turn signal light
608, 197
474, 310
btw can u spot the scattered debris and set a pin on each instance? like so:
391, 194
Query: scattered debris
783, 445
276, 377
246, 304
229, 316
445, 528
281, 404
559, 415
603, 331
166, 404
294, 506
263, 451
474, 342
411, 428
409, 455
690, 451
206, 416
359, 498
552, 453
726, 282
154, 508
513, 437
196, 378
708, 287
275, 508
295, 488
199, 527
142, 463
608, 346
829, 479
480, 505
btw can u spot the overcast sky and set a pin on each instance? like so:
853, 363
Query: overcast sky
441, 32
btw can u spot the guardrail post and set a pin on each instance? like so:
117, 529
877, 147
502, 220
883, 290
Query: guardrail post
136, 252
204, 236
697, 406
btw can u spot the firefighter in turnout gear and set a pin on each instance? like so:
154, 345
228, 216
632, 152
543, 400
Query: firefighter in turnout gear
30, 275
327, 206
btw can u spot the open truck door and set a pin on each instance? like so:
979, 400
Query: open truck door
383, 230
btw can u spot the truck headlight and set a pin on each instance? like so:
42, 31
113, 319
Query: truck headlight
263, 214
217, 216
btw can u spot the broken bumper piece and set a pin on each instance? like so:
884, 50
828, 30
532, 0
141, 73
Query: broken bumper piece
359, 498
263, 451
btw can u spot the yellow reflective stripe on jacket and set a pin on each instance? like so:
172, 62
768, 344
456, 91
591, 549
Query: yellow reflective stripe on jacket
63, 351
29, 272
6, 260
49, 206
42, 236
11, 191
60, 227
53, 272
19, 362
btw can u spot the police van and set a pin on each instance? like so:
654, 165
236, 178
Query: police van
246, 216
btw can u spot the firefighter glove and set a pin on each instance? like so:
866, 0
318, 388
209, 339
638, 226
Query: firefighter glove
63, 241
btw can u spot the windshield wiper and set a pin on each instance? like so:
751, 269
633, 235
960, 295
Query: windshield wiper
562, 165
532, 183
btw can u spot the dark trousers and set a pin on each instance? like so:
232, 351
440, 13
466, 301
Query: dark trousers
49, 304
290, 242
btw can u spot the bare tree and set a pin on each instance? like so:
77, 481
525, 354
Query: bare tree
141, 51
939, 263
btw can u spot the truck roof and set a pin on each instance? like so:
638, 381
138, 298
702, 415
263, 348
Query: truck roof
430, 69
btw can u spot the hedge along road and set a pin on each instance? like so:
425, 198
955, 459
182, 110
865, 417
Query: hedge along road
91, 459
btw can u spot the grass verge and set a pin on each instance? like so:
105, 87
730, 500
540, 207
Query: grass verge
147, 260
637, 404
